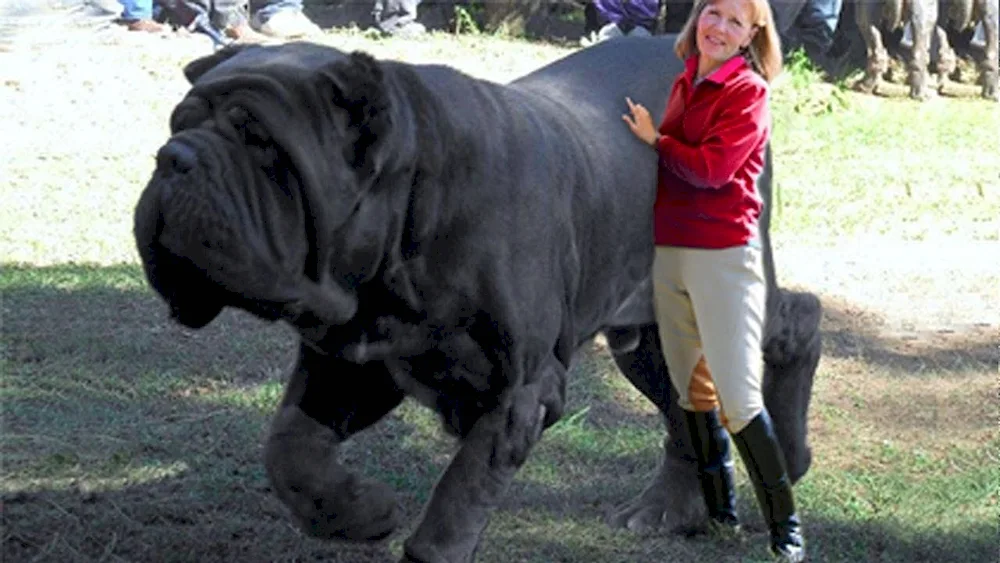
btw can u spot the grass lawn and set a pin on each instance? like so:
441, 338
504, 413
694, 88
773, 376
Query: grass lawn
127, 438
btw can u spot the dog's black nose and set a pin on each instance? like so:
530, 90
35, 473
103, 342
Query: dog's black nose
176, 157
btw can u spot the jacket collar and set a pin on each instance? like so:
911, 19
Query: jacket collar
719, 76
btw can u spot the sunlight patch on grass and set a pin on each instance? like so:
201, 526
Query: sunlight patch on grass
72, 277
89, 427
263, 398
67, 472
929, 493
81, 383
425, 427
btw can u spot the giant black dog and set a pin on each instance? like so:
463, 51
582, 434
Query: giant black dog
441, 237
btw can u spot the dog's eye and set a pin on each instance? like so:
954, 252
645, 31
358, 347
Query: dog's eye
190, 113
255, 135
252, 131
266, 156
238, 116
258, 142
246, 124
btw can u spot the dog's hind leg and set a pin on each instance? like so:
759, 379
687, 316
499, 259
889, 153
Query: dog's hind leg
671, 499
326, 401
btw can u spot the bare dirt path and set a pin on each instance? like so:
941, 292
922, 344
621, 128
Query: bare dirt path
915, 287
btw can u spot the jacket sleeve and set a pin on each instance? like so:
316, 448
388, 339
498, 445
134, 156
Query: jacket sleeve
728, 142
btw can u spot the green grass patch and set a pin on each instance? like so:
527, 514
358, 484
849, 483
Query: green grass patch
849, 165
165, 435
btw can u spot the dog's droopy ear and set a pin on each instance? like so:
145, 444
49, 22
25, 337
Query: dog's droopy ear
198, 67
357, 85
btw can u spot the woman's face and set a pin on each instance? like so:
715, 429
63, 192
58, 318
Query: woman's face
724, 27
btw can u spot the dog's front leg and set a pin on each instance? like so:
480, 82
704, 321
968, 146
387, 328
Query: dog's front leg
481, 472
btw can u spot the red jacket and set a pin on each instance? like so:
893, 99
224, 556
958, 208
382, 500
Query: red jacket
711, 152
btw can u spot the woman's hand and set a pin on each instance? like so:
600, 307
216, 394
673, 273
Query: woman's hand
640, 122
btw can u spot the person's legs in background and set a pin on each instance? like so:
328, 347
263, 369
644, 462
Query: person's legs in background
591, 19
830, 13
786, 14
281, 18
807, 24
232, 17
219, 18
137, 15
817, 23
397, 17
634, 18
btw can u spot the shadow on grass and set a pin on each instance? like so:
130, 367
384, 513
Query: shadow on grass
126, 437
828, 542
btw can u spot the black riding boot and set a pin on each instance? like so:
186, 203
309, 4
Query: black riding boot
758, 446
715, 468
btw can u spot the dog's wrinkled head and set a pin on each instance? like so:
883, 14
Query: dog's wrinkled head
792, 351
269, 151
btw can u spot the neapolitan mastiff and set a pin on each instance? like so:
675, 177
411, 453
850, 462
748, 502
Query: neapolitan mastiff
441, 237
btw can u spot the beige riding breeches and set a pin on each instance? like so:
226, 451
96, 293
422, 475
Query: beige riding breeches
710, 309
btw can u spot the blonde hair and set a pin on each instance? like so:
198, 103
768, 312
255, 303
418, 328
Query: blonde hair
764, 51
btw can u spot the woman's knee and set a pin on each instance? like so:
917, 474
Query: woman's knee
736, 421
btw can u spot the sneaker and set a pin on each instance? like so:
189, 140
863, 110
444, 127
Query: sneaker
243, 33
639, 31
907, 40
979, 37
609, 31
288, 24
148, 26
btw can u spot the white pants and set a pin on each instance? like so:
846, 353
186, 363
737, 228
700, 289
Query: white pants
710, 309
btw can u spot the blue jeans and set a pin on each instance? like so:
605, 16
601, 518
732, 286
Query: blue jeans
812, 22
826, 11
262, 10
392, 15
221, 13
136, 9
629, 14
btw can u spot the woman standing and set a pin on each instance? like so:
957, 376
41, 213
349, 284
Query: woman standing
708, 271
